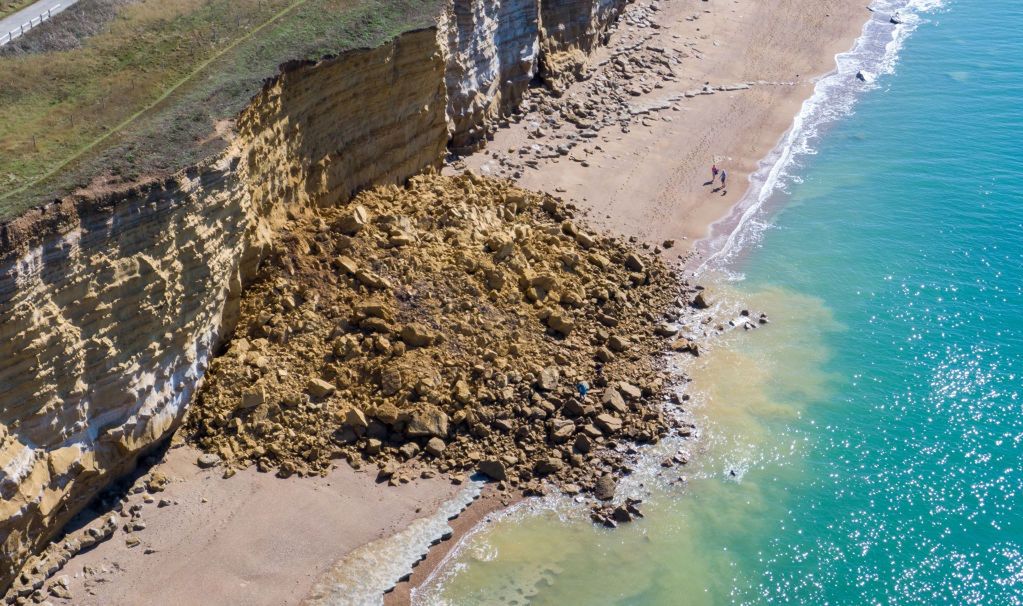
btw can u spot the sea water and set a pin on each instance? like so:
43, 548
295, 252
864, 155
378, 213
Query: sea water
865, 447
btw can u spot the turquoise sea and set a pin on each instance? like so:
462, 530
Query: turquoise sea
875, 427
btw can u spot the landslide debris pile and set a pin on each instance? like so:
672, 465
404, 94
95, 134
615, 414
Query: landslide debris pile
444, 327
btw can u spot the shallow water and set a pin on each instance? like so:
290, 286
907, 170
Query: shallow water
875, 427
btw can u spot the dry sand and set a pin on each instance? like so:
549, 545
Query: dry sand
257, 540
263, 540
649, 183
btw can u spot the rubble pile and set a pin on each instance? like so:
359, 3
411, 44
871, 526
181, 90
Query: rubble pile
457, 325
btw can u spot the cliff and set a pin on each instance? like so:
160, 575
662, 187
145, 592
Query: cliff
111, 307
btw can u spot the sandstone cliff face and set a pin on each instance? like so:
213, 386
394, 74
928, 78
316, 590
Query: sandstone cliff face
494, 48
111, 308
105, 331
571, 30
497, 47
107, 325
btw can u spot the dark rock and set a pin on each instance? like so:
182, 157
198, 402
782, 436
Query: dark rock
494, 469
605, 487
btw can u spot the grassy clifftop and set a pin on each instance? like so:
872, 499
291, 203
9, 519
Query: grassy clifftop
147, 93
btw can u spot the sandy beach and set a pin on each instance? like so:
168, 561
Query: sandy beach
251, 539
257, 539
651, 181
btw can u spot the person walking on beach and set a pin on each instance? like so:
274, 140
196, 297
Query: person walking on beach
724, 175
714, 172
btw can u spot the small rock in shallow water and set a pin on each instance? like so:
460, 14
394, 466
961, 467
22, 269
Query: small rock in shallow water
605, 487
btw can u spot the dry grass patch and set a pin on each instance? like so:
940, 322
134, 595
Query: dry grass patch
9, 7
140, 97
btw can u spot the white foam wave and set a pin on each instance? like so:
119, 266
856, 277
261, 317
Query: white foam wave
834, 97
364, 575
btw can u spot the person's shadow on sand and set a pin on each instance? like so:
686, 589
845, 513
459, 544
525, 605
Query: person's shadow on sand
706, 183
719, 189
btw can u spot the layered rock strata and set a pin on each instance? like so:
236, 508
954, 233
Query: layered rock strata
107, 327
497, 47
112, 306
572, 29
494, 50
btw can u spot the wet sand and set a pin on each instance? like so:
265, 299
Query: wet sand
479, 512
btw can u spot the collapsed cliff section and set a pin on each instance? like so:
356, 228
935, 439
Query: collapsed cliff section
112, 305
108, 325
456, 325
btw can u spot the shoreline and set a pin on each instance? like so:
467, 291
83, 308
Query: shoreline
834, 97
693, 255
478, 512
649, 181
610, 212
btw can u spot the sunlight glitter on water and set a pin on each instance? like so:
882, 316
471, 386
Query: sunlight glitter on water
550, 553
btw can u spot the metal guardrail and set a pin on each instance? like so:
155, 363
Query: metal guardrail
28, 25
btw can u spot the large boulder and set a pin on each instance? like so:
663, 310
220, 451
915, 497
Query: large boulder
605, 487
608, 423
561, 322
318, 388
634, 263
417, 335
352, 221
549, 378
494, 469
430, 421
386, 413
390, 381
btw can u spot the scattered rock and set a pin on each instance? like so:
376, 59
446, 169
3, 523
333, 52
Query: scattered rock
452, 336
207, 460
605, 487
494, 469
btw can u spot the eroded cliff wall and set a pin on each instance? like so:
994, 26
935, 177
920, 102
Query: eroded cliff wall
111, 307
571, 30
107, 325
496, 48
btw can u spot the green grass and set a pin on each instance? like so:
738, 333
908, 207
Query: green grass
9, 7
142, 98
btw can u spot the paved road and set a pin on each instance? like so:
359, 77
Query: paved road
10, 27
